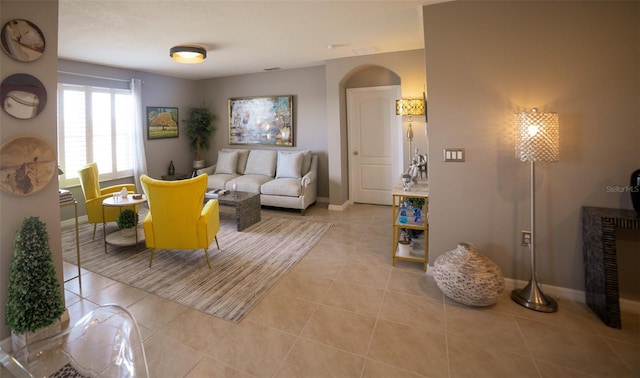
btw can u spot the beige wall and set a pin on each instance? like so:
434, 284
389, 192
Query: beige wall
487, 60
44, 204
408, 65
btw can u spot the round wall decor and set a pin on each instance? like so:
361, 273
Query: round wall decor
27, 165
22, 96
22, 40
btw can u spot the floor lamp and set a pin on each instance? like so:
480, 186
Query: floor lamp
410, 108
537, 139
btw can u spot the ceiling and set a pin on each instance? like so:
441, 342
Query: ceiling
240, 36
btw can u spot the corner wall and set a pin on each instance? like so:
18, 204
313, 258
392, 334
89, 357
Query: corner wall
487, 60
406, 64
45, 203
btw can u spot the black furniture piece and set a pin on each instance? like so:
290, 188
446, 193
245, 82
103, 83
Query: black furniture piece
600, 263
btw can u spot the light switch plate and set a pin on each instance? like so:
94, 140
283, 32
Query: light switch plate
454, 155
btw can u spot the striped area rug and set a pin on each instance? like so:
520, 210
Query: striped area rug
248, 264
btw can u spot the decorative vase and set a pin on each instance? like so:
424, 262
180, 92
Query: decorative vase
172, 169
469, 277
635, 190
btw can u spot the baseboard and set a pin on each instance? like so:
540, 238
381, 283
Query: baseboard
72, 221
339, 207
626, 305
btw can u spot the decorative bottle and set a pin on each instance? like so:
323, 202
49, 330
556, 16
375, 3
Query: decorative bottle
172, 169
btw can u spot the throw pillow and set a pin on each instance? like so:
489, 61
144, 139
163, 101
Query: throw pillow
289, 164
306, 161
227, 162
243, 155
261, 162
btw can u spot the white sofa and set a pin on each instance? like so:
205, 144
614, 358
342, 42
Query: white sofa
283, 178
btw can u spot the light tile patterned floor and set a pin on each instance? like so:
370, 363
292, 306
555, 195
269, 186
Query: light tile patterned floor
344, 311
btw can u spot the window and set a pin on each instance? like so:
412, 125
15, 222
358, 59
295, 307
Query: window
94, 124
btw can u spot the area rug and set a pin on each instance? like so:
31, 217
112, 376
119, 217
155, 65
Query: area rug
248, 264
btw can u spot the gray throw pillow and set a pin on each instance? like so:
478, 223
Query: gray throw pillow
289, 164
227, 162
261, 162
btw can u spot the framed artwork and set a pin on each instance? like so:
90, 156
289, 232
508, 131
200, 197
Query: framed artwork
22, 40
264, 121
27, 165
22, 96
162, 122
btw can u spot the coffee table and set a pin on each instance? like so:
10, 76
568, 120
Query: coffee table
247, 207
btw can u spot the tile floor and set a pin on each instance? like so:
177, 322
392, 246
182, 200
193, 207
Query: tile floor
344, 311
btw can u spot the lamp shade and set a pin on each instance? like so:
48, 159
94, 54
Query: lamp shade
409, 107
537, 136
188, 54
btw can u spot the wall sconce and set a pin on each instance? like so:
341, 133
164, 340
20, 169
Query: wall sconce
410, 108
188, 54
537, 139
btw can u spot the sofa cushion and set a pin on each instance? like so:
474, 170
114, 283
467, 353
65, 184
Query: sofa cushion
243, 155
218, 181
261, 162
289, 187
248, 183
306, 162
289, 164
227, 162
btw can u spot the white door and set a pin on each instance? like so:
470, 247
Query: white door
374, 135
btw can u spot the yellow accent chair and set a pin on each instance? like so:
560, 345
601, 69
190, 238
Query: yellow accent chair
94, 195
177, 218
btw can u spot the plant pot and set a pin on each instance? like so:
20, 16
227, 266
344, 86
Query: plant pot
19, 341
404, 248
197, 164
128, 232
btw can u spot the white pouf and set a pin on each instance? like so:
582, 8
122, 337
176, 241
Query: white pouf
469, 277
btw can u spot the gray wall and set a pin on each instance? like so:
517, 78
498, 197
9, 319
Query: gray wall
310, 124
487, 60
44, 203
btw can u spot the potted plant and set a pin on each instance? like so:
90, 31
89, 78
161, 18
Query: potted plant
199, 129
34, 300
127, 222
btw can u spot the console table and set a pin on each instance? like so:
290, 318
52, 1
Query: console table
600, 262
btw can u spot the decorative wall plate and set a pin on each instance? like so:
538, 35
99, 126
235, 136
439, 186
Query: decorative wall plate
22, 96
22, 40
27, 165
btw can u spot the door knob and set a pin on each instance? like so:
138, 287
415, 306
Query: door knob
355, 152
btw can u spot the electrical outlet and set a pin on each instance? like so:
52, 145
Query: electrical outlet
526, 238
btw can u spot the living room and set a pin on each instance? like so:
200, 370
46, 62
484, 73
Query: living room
482, 61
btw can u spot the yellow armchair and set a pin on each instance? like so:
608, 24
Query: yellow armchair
94, 195
176, 218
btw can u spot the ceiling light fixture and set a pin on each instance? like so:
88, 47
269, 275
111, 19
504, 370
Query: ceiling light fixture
188, 54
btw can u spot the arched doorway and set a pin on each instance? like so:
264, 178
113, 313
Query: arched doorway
374, 134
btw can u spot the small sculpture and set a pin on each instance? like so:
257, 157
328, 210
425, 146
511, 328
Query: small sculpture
420, 161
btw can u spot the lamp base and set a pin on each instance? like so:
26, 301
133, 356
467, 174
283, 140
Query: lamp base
533, 298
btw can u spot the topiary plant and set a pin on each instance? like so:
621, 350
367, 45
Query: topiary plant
127, 219
35, 297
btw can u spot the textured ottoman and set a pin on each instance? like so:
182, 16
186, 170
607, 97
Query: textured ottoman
467, 276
